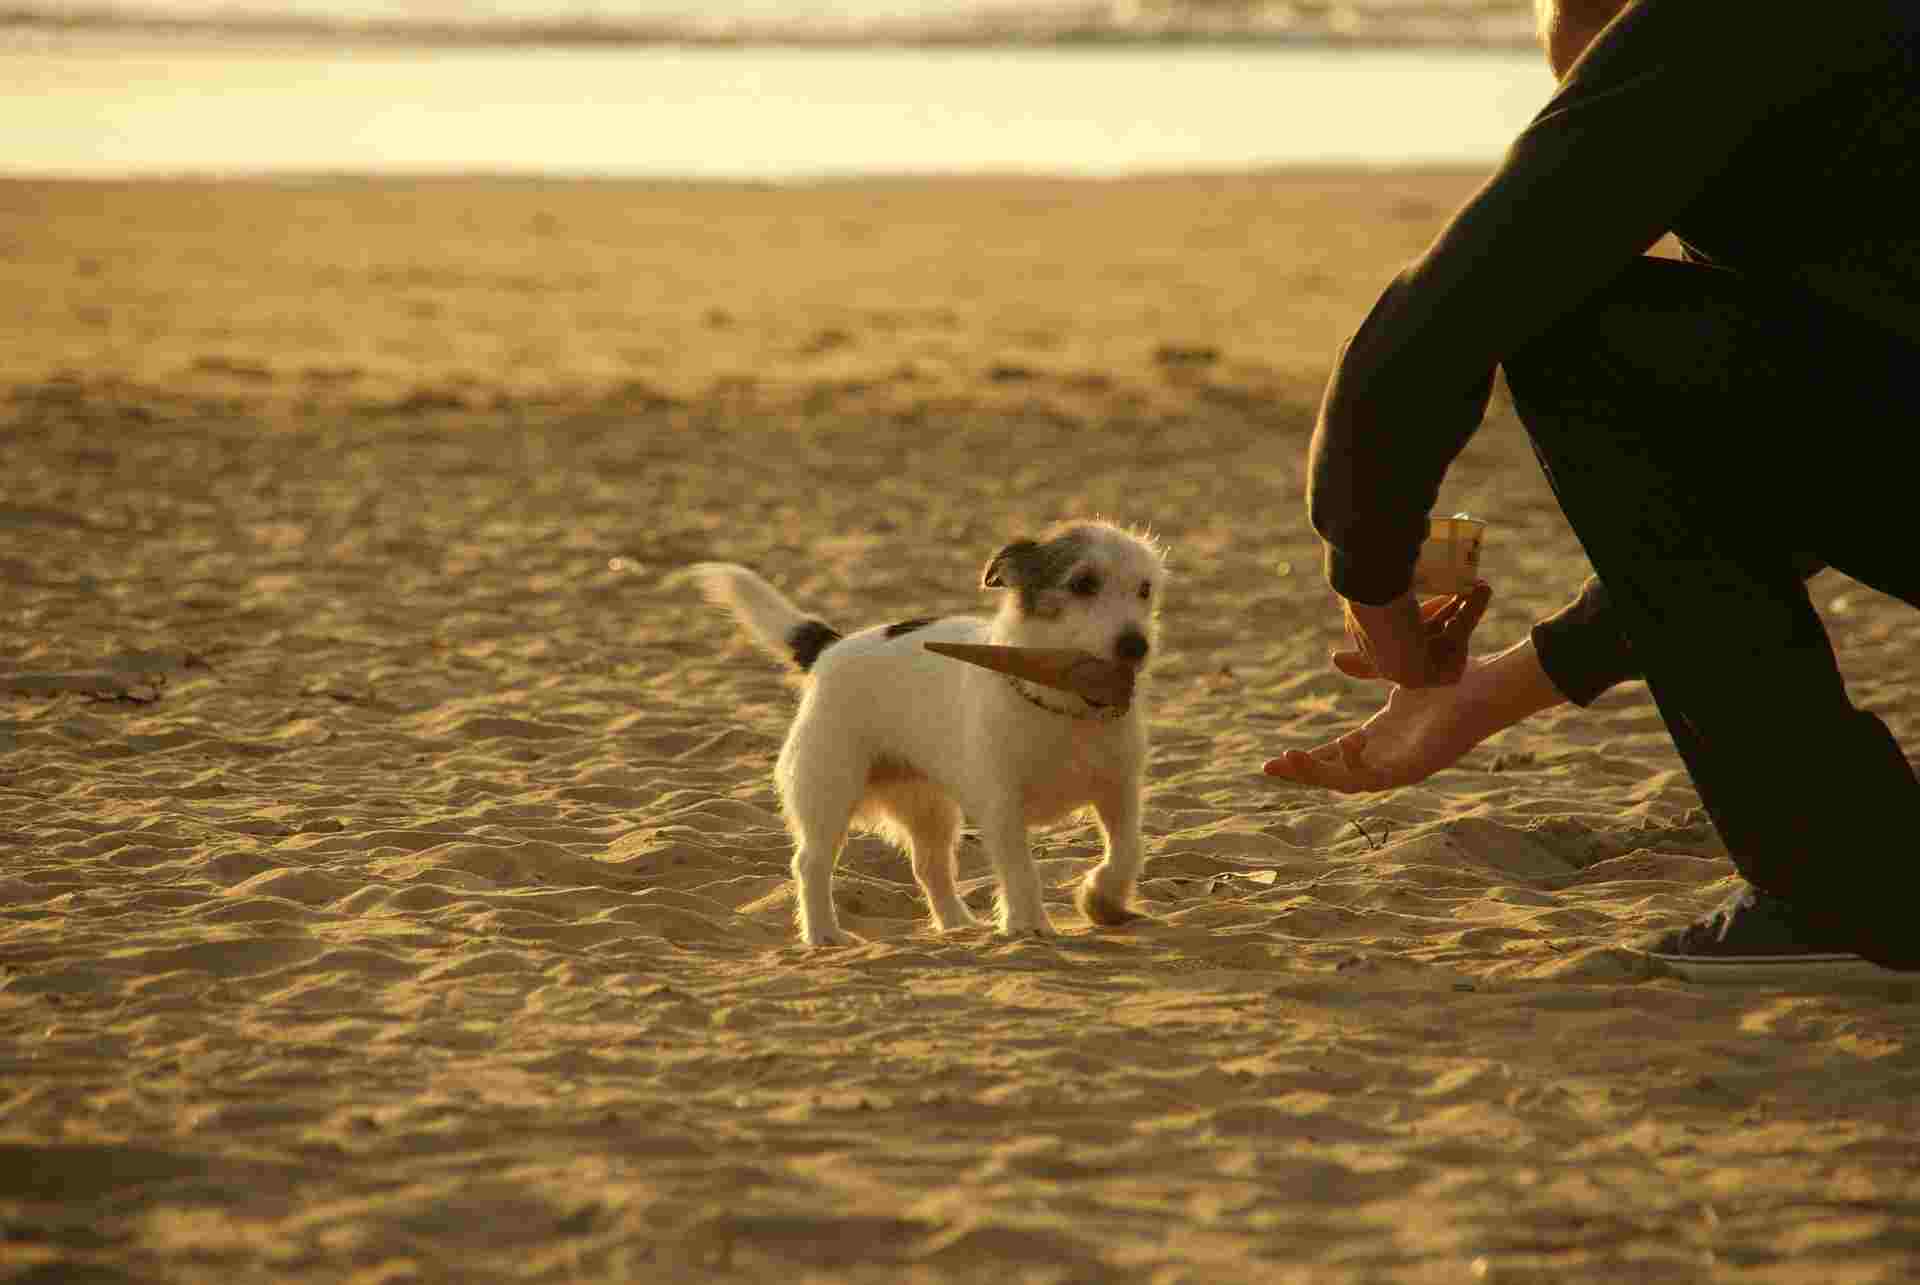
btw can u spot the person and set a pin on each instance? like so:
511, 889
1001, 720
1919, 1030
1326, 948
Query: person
1713, 428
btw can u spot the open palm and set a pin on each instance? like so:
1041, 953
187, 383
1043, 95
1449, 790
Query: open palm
1420, 731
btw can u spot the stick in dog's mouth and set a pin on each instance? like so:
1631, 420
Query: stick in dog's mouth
1096, 681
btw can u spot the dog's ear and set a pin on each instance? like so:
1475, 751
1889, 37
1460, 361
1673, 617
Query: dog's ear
1003, 568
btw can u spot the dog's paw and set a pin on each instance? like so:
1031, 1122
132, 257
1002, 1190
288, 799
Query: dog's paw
831, 937
1105, 910
954, 919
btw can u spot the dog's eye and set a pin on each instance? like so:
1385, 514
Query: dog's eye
1086, 584
1146, 590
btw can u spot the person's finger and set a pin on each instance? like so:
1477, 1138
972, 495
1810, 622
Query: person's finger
1293, 765
1466, 618
1349, 772
1436, 624
1314, 762
1324, 761
1357, 638
1354, 664
1439, 612
1307, 769
1352, 746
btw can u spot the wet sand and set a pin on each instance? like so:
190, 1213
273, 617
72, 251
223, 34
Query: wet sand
391, 882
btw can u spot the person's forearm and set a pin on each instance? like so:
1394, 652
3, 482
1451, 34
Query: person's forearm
1505, 688
1627, 143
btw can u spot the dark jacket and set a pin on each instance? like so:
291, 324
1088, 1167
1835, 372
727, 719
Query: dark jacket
1772, 139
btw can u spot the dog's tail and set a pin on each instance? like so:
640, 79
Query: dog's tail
789, 633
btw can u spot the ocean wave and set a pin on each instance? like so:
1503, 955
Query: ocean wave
1459, 23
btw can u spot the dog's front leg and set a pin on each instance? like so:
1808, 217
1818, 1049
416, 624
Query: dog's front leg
1108, 888
1004, 835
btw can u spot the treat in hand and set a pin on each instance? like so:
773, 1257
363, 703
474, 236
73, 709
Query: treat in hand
1424, 643
1067, 669
1450, 557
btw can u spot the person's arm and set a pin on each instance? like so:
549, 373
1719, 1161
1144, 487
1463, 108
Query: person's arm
1580, 648
1421, 731
1657, 105
1572, 656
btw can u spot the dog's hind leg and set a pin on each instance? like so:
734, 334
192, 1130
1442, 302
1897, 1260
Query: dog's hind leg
932, 824
819, 793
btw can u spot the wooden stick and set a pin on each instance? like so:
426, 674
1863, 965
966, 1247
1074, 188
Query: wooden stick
1097, 681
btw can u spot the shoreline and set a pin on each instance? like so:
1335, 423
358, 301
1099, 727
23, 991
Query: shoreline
1061, 27
1336, 171
749, 113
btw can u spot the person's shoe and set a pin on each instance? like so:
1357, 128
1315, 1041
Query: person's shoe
1755, 937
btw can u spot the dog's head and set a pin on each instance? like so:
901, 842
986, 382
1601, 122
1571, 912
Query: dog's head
1085, 584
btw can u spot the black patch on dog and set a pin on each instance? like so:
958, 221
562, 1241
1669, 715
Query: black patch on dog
1033, 568
809, 639
1003, 568
908, 626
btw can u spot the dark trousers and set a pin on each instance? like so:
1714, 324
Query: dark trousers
1703, 433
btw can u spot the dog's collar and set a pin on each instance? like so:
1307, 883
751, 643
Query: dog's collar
1091, 714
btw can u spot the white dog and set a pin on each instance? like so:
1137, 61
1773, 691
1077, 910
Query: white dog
905, 742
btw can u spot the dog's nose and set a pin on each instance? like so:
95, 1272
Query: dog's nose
1131, 646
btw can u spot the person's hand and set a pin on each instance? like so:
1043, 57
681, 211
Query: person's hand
1422, 730
1419, 732
1413, 646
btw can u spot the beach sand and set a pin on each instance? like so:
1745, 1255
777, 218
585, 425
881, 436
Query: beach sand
392, 886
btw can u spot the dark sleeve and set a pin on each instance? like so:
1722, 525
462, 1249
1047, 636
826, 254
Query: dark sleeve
1583, 649
1649, 115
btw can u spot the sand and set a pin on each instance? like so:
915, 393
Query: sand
391, 883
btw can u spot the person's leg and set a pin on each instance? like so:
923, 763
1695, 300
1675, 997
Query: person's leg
1700, 432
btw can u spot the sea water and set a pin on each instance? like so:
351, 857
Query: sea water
118, 98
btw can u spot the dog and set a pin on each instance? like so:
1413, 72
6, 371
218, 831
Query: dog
895, 739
